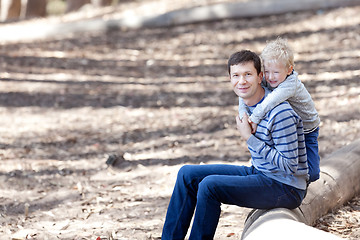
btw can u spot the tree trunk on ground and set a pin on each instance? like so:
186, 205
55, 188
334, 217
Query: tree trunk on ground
281, 224
338, 183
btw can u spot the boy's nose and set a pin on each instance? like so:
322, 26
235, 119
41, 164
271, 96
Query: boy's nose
271, 76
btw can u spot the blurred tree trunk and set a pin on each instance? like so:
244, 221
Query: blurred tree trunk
73, 5
10, 9
35, 8
101, 3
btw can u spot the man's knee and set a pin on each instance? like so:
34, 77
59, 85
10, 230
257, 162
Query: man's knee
185, 174
184, 171
207, 187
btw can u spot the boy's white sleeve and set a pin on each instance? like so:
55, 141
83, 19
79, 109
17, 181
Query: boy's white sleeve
281, 93
242, 108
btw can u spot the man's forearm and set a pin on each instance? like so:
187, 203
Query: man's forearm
271, 159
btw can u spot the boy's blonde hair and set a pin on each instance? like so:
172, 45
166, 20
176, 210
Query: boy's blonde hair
278, 51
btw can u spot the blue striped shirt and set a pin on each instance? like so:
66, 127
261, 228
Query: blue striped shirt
278, 146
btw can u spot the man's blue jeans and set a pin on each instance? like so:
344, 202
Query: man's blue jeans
205, 187
312, 151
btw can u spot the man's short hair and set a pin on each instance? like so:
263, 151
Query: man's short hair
243, 57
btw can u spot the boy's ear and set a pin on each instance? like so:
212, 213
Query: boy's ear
290, 69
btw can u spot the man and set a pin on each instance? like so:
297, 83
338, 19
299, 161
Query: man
277, 177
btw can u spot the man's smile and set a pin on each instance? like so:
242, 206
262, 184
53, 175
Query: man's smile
243, 89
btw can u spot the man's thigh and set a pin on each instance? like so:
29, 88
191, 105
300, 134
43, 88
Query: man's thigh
196, 173
253, 191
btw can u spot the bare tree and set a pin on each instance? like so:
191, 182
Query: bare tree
10, 9
73, 5
35, 8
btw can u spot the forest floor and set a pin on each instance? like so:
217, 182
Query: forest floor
158, 98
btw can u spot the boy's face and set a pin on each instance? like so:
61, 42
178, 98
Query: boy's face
245, 80
276, 73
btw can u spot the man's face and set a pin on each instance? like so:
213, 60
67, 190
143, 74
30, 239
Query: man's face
245, 80
275, 73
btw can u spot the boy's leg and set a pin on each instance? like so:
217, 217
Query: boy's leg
252, 191
184, 197
312, 151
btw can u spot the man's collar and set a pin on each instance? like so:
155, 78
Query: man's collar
266, 92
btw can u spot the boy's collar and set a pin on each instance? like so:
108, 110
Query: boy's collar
292, 72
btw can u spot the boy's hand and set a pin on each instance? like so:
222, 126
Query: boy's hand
253, 126
244, 126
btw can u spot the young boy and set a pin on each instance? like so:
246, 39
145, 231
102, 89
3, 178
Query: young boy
280, 77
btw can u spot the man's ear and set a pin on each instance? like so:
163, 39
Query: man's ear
261, 74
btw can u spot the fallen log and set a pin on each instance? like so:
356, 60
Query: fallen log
256, 8
281, 224
339, 182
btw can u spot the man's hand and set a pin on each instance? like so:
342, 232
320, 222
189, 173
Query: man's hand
244, 126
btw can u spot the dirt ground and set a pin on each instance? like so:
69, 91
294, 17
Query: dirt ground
158, 99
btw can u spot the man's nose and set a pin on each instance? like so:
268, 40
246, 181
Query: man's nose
242, 80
